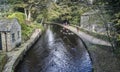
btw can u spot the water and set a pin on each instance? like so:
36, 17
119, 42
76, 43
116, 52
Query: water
55, 52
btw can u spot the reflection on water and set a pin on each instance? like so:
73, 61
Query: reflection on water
50, 37
55, 52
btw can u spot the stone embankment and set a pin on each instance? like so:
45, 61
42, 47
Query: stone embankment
100, 52
87, 37
17, 54
84, 36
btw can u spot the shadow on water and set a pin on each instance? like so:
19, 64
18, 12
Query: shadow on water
56, 51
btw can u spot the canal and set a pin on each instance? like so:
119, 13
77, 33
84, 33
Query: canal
56, 51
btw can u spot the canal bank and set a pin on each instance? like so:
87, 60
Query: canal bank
60, 53
17, 54
100, 52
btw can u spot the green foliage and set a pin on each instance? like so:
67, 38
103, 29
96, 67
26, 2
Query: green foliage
117, 26
27, 30
66, 10
117, 19
114, 5
39, 18
20, 16
48, 10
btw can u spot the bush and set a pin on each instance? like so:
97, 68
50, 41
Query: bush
20, 16
27, 30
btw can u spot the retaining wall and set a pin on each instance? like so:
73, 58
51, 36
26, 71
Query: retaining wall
17, 54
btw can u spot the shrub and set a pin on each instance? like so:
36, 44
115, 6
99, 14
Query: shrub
20, 16
27, 30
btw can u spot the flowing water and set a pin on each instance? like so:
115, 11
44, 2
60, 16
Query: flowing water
56, 52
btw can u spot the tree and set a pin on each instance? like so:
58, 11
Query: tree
31, 7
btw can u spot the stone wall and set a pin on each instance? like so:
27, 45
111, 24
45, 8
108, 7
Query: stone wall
6, 41
9, 43
17, 54
3, 41
6, 36
15, 28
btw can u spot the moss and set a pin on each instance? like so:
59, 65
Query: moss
20, 16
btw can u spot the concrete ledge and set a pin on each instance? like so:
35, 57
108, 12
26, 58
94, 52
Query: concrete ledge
87, 37
17, 54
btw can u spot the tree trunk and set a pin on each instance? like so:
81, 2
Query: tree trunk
42, 20
93, 28
80, 22
26, 16
29, 15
